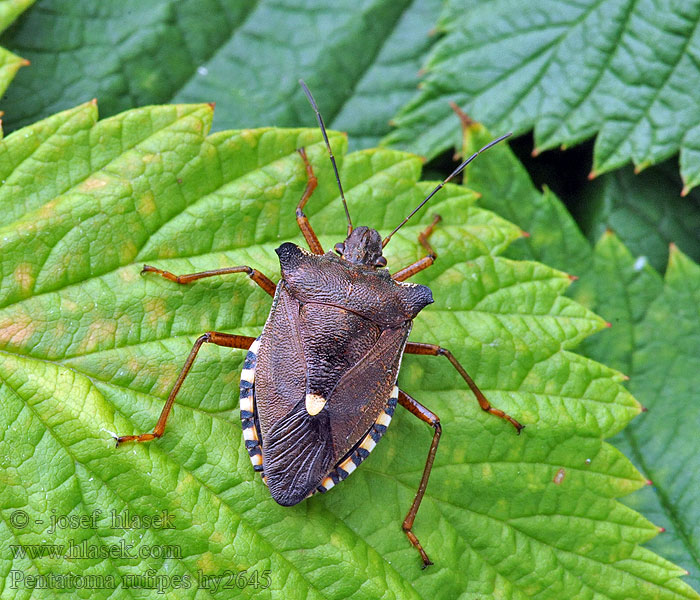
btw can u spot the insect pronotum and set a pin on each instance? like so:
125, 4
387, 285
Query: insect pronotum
319, 385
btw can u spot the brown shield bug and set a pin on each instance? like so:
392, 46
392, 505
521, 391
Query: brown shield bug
318, 386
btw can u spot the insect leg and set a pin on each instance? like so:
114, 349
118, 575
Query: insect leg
424, 262
417, 409
220, 339
435, 350
263, 281
302, 219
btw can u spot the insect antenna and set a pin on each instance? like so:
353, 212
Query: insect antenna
454, 173
328, 145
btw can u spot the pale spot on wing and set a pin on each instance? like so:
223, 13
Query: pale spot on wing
314, 404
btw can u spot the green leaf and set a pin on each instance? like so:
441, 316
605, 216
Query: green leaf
552, 235
10, 10
658, 338
626, 71
646, 212
360, 60
10, 63
653, 337
89, 348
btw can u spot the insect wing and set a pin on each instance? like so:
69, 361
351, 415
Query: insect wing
298, 453
363, 391
280, 377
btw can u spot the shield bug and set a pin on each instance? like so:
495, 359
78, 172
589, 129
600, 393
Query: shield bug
318, 386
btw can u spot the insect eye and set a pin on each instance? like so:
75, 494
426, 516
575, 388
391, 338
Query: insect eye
340, 248
381, 262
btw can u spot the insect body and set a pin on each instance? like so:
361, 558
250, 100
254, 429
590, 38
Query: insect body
327, 364
318, 388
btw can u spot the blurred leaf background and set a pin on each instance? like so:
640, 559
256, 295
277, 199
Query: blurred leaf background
613, 81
